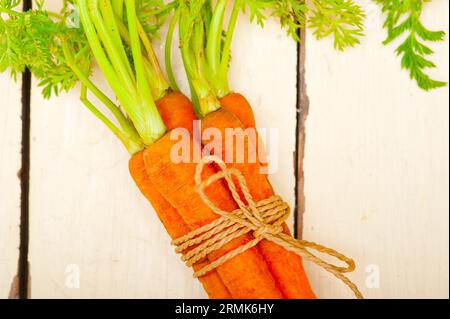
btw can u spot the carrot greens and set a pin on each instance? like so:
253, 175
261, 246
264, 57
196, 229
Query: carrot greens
403, 17
32, 40
60, 53
206, 34
59, 48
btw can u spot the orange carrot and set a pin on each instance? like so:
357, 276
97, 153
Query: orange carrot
239, 106
247, 274
174, 224
286, 267
172, 221
176, 111
209, 85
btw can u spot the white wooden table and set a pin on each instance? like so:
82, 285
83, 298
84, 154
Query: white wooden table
375, 175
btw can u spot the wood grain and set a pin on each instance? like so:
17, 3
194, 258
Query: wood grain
89, 225
376, 164
10, 144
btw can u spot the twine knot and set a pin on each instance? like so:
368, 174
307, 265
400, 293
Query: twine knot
267, 229
264, 219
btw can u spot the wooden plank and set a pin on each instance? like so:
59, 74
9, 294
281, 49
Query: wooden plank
10, 162
92, 234
376, 165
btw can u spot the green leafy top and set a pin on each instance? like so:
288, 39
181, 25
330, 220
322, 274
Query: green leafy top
114, 34
343, 20
403, 17
340, 19
33, 40
59, 49
206, 45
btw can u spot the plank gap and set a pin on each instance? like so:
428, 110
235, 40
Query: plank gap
297, 129
25, 179
302, 113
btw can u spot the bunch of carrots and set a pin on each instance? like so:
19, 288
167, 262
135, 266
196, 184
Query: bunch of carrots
116, 35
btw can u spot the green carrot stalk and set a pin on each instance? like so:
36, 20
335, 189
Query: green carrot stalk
129, 136
168, 50
118, 7
113, 36
195, 62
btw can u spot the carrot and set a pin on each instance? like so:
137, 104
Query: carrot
286, 267
168, 215
246, 275
232, 111
176, 111
174, 224
238, 105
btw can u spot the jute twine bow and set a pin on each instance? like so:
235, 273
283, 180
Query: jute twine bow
263, 219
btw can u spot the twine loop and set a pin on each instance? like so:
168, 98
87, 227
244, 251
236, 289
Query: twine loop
264, 219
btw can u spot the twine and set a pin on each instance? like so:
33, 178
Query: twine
263, 219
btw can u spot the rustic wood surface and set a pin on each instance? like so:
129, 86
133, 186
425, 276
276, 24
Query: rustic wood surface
375, 168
